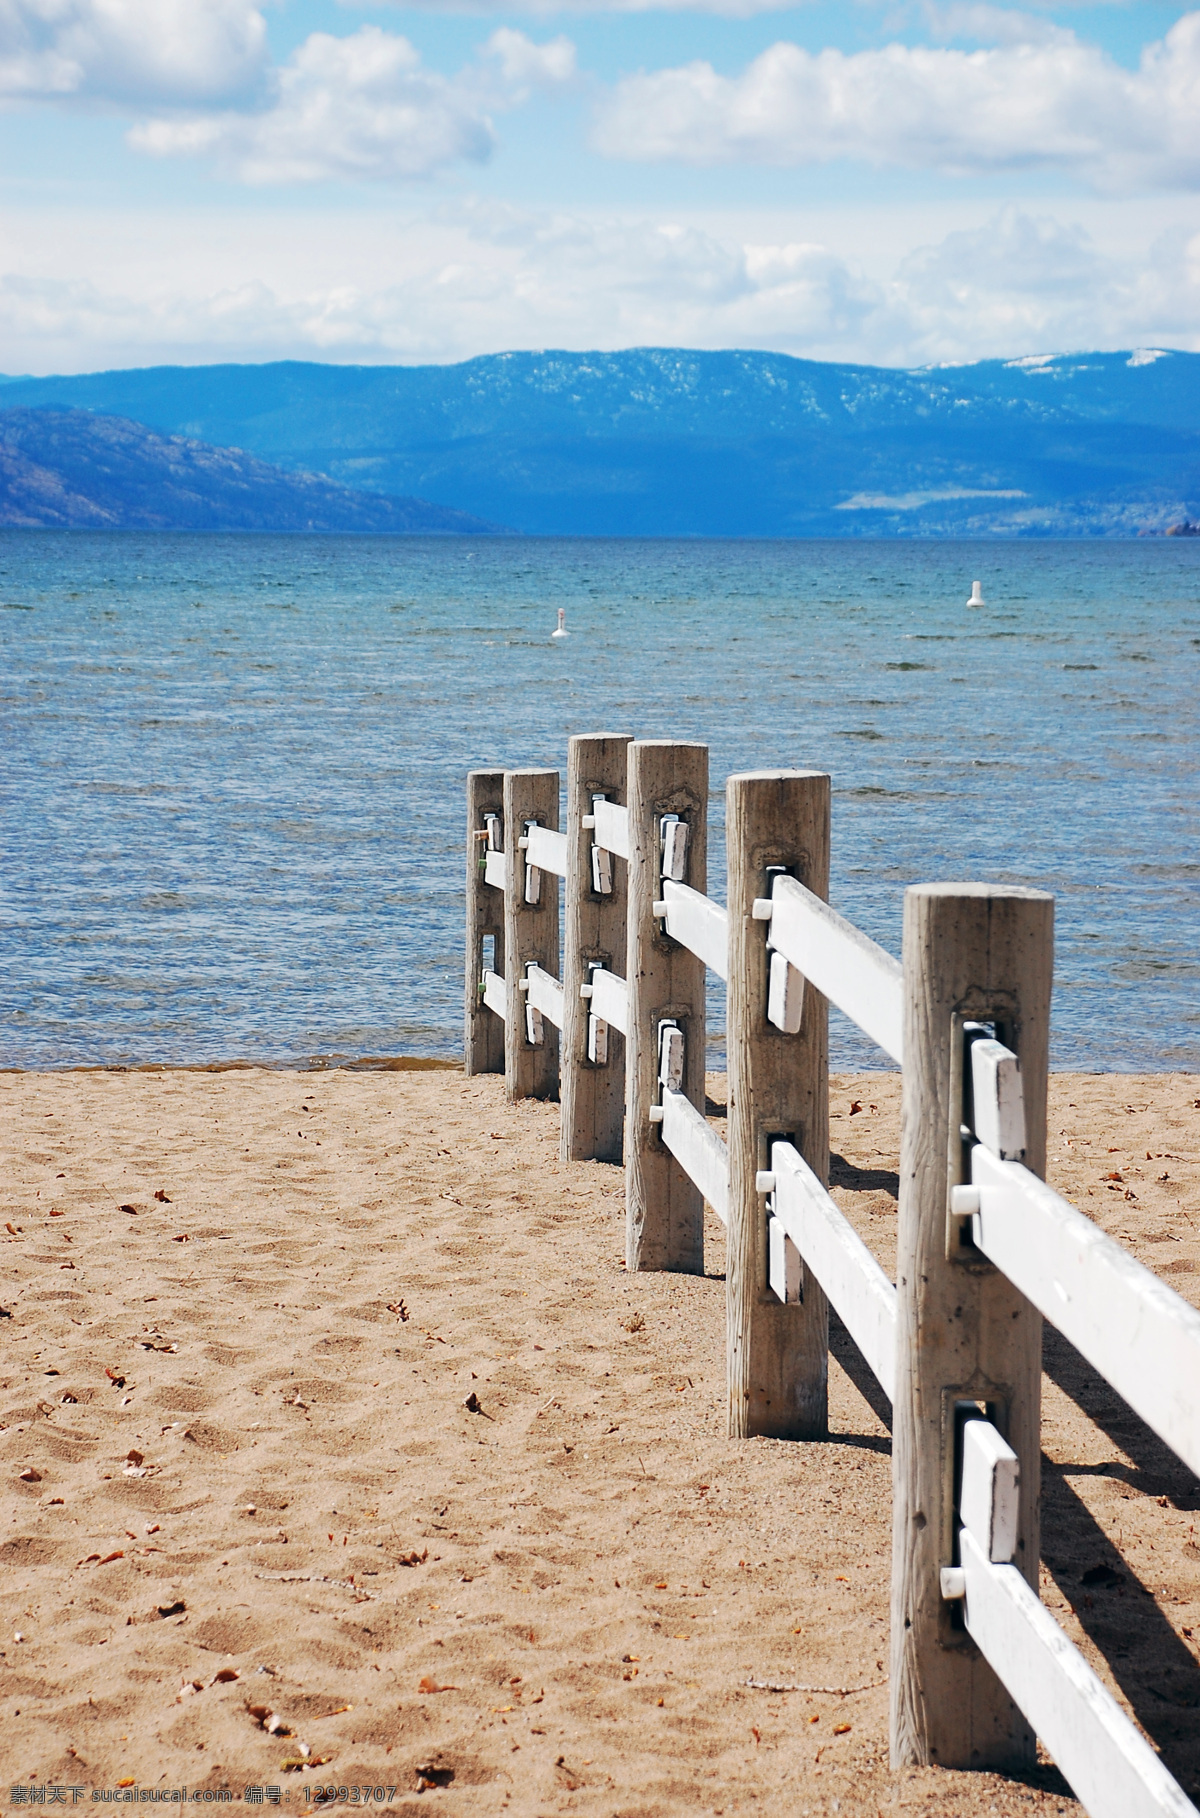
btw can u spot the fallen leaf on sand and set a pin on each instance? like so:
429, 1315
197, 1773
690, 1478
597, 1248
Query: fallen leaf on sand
856, 1107
14, 1231
128, 1781
398, 1308
431, 1775
132, 1209
109, 1557
168, 1609
431, 1685
268, 1720
181, 1239
413, 1559
188, 1689
226, 1676
472, 1405
30, 1476
134, 1457
296, 1764
56, 1214
841, 1729
162, 1198
118, 1382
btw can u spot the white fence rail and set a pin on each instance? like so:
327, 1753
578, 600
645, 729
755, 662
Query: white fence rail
970, 1007
830, 1246
864, 981
1132, 1328
697, 1148
697, 923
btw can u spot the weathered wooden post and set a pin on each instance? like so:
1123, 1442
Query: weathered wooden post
667, 783
964, 1333
778, 1088
483, 1031
530, 934
593, 1089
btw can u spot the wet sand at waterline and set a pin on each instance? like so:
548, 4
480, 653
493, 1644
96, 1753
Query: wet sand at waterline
327, 1398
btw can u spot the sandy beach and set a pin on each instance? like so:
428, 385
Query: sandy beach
340, 1450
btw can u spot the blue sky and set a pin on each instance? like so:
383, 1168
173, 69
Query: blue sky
905, 183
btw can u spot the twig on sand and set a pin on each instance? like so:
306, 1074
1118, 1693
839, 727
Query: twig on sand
828, 1691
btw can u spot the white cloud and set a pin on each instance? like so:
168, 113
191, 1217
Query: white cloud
467, 280
985, 24
729, 9
1046, 102
130, 50
525, 65
364, 107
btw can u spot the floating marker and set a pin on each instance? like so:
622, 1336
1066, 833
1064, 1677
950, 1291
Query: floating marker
976, 598
562, 631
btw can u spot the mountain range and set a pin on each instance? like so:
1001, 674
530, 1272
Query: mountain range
76, 470
664, 441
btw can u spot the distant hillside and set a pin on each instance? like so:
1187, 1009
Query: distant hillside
76, 470
663, 441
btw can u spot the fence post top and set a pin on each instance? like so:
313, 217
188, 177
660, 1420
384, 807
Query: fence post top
997, 892
775, 776
668, 745
597, 738
485, 773
524, 773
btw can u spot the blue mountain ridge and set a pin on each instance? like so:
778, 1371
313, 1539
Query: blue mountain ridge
665, 441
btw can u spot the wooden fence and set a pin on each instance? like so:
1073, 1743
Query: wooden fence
979, 1668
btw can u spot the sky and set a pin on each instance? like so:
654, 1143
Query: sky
896, 182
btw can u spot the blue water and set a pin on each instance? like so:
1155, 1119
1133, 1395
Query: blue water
233, 765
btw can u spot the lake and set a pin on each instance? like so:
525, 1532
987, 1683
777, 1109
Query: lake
233, 766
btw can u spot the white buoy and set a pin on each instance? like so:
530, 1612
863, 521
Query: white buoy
976, 598
562, 631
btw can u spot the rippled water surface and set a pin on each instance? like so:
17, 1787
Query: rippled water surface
233, 766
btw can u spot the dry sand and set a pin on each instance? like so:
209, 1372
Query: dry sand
245, 1314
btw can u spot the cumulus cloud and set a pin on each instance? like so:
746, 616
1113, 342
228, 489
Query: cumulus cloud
124, 51
364, 107
1039, 101
480, 278
524, 65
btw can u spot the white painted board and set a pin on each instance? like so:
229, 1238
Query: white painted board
612, 826
784, 1267
547, 850
785, 995
997, 1099
864, 1297
1111, 1767
495, 871
989, 1500
597, 1041
1141, 1336
698, 924
842, 962
698, 1150
610, 998
545, 994
495, 994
